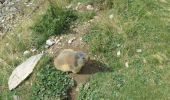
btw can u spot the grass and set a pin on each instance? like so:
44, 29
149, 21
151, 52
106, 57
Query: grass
12, 48
86, 15
54, 22
50, 83
136, 25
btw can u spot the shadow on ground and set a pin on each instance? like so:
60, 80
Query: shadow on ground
90, 68
93, 66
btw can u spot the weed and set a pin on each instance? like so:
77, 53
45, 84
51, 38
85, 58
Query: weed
54, 22
50, 83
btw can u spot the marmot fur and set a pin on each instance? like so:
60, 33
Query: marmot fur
70, 60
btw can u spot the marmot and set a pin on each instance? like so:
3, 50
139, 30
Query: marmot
70, 60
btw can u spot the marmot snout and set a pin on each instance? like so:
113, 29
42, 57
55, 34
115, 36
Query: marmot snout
70, 60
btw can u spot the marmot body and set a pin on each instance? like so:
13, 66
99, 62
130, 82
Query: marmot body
70, 60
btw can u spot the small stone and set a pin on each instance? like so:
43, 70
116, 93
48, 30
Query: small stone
26, 52
69, 6
33, 50
81, 38
71, 40
111, 16
50, 42
118, 53
7, 44
78, 5
46, 46
15, 97
127, 64
61, 38
138, 50
90, 7
57, 41
118, 45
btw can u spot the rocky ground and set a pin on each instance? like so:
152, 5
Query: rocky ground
12, 13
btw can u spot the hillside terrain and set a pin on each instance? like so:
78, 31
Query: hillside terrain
127, 42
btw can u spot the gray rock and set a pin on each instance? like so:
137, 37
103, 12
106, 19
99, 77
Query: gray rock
71, 40
111, 16
138, 50
15, 97
26, 52
90, 7
50, 42
118, 53
22, 71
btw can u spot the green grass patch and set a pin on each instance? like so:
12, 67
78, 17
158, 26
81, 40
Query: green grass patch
50, 83
54, 22
135, 25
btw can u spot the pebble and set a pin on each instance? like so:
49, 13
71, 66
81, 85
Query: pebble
138, 50
26, 52
15, 97
78, 5
118, 45
118, 53
71, 40
50, 42
47, 46
111, 16
126, 64
89, 7
69, 6
33, 50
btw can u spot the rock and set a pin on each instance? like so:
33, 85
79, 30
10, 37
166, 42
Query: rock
7, 44
138, 50
71, 40
22, 71
47, 46
118, 45
69, 6
89, 7
127, 64
81, 38
50, 42
78, 6
26, 52
111, 16
15, 97
33, 50
118, 53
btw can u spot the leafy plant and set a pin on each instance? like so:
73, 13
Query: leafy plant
50, 83
54, 22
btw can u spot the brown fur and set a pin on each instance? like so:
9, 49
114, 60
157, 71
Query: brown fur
69, 60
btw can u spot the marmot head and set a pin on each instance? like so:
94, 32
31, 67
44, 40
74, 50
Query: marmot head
82, 57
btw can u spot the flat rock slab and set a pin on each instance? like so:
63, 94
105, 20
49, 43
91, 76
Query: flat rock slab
22, 71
